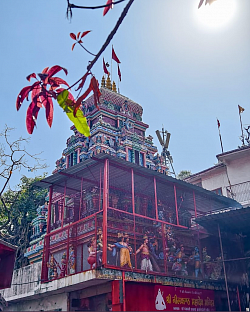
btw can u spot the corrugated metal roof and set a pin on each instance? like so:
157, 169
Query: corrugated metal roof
230, 220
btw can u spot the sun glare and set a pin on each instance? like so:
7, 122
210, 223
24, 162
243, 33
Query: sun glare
218, 14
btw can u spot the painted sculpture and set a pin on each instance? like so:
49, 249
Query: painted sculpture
72, 261
52, 266
92, 253
197, 261
146, 264
124, 249
63, 265
99, 246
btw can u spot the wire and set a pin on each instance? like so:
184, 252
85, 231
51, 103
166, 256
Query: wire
73, 6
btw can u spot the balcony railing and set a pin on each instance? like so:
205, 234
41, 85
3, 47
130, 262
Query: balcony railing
240, 192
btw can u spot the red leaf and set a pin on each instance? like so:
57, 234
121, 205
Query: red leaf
58, 81
49, 110
81, 98
45, 70
31, 117
78, 35
85, 33
21, 96
73, 36
80, 41
55, 69
97, 93
35, 95
31, 76
73, 45
83, 81
107, 8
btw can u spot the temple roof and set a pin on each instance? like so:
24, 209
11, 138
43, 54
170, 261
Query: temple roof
234, 220
116, 99
204, 199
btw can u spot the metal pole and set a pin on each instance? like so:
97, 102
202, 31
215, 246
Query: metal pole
224, 269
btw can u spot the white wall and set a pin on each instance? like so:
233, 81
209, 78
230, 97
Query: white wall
48, 303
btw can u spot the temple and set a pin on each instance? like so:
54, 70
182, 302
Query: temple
115, 217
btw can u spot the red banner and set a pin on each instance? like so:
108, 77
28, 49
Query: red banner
168, 298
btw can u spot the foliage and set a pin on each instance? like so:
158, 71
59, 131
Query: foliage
184, 174
41, 95
15, 224
17, 207
42, 91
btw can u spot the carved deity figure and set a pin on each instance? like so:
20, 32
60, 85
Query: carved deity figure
99, 245
92, 253
205, 256
52, 267
72, 261
124, 249
145, 255
63, 265
197, 261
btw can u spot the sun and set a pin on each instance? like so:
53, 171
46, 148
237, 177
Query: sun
218, 14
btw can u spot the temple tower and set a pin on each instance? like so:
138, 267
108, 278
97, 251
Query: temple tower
117, 129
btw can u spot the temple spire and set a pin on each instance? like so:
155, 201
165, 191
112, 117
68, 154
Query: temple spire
114, 87
108, 83
103, 81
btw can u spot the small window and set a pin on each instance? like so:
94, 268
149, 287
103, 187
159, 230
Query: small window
218, 191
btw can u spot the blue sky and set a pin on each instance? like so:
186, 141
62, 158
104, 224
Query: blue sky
184, 74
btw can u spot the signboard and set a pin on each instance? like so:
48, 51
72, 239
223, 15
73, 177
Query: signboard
169, 298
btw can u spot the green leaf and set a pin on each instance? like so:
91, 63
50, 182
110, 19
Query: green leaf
79, 120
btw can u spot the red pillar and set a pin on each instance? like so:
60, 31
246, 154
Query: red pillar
116, 306
63, 203
105, 210
156, 204
123, 290
133, 190
176, 206
49, 209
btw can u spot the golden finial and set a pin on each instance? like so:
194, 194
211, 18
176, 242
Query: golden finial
114, 87
108, 83
103, 81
